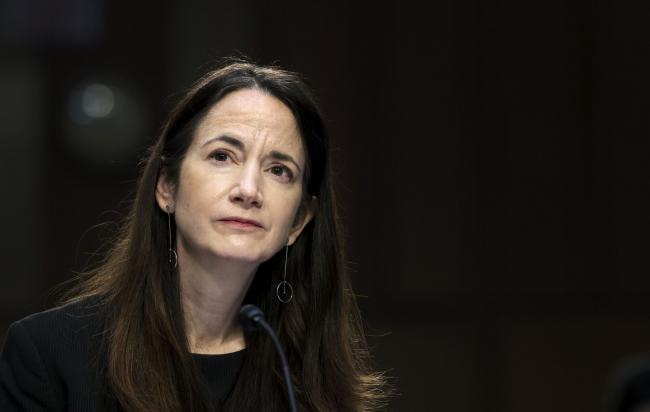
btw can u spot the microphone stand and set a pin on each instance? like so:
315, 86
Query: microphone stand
252, 318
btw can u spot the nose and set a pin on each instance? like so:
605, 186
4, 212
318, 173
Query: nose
246, 191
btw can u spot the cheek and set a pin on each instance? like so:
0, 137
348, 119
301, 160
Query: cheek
289, 214
198, 188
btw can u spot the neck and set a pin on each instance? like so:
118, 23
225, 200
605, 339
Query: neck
211, 295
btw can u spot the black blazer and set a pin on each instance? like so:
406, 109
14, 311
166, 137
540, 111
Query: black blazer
48, 363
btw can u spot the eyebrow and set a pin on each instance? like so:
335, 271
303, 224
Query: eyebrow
228, 139
233, 141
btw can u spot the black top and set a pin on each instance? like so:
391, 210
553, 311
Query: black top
47, 363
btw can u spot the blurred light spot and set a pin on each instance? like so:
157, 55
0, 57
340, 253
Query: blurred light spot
97, 101
105, 123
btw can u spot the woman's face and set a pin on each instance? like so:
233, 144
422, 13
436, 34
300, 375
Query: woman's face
240, 183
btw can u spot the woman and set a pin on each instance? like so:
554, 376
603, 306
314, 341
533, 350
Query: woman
235, 205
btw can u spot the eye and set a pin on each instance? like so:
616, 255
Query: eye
220, 156
283, 172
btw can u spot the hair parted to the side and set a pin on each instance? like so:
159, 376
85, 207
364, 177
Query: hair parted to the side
148, 365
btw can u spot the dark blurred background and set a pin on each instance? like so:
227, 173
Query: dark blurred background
492, 160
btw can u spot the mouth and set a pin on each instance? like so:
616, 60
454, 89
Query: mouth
242, 223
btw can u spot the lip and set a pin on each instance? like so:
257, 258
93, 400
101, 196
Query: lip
241, 222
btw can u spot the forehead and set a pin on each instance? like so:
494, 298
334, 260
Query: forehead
255, 117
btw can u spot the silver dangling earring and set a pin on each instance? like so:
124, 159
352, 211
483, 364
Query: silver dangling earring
172, 253
286, 294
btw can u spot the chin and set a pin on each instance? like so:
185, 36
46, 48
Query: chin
243, 255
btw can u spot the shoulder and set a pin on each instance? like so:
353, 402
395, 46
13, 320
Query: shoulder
66, 338
70, 322
47, 353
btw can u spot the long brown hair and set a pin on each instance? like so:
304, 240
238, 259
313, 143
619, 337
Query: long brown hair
148, 365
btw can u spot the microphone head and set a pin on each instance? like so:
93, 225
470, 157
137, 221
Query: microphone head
249, 315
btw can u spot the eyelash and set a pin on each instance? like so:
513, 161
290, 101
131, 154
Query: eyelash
285, 169
217, 153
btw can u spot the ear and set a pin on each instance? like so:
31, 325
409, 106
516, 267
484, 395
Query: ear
304, 216
165, 193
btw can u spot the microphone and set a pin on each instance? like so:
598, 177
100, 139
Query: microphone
252, 318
